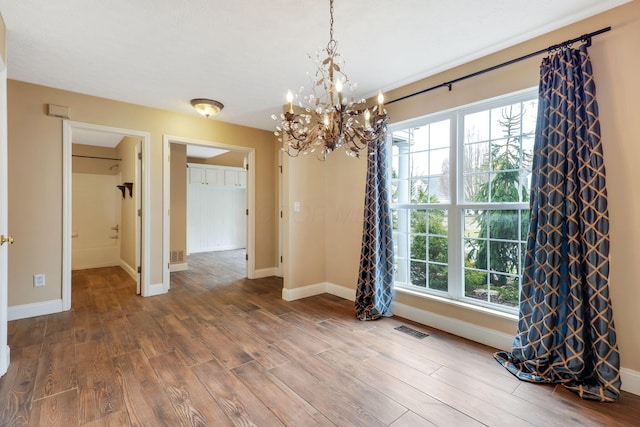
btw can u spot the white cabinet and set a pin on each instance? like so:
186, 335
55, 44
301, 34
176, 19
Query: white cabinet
235, 178
204, 175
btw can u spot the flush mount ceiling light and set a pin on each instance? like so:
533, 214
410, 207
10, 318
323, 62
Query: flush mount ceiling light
207, 107
326, 119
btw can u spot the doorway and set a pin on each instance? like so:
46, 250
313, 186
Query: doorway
132, 162
249, 163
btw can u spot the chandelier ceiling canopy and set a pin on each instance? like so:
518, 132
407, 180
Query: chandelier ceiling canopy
325, 119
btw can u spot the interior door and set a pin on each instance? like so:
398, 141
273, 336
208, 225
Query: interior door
4, 234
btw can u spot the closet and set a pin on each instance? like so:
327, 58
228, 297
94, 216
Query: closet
216, 208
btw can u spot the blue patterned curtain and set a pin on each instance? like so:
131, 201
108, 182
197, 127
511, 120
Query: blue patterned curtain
375, 278
566, 332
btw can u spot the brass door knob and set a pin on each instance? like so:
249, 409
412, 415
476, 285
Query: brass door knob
7, 239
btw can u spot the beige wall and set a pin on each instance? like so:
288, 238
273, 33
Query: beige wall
94, 166
615, 66
178, 210
35, 178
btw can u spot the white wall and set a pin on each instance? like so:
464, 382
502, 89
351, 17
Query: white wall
96, 209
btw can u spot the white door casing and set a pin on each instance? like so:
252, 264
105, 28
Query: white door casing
4, 293
67, 131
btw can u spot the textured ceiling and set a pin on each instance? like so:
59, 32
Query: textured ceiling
247, 53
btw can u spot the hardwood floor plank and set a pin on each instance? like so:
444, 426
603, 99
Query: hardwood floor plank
330, 401
58, 410
240, 405
17, 385
99, 393
514, 405
87, 324
144, 396
148, 334
191, 400
326, 332
235, 329
26, 332
290, 408
57, 365
462, 401
303, 340
228, 351
412, 420
423, 405
115, 419
119, 336
352, 388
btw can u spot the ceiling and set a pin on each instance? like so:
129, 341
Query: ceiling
247, 53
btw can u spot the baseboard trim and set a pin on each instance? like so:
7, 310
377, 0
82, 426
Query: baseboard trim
266, 272
480, 334
96, 265
178, 267
630, 378
43, 308
129, 270
304, 291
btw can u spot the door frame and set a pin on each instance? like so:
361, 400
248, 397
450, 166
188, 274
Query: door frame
167, 140
4, 284
145, 137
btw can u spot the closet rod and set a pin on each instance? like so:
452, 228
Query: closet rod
585, 37
95, 157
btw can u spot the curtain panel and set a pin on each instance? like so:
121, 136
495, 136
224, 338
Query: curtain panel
375, 278
566, 332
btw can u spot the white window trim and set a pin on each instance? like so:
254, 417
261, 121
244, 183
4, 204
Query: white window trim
455, 294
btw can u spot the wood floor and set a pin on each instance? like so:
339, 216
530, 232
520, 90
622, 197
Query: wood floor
221, 350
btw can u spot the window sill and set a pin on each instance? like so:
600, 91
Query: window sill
456, 303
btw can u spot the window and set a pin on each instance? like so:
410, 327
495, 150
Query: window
460, 183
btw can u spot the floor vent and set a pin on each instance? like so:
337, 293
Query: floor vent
410, 331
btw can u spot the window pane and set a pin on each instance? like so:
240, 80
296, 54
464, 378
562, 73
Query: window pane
438, 277
476, 127
440, 134
420, 139
419, 273
504, 224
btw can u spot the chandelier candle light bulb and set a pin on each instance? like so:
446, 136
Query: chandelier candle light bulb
323, 125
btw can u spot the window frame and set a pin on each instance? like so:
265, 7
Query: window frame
456, 205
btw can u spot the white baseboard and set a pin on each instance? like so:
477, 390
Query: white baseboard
130, 270
304, 291
266, 272
630, 380
467, 330
156, 289
491, 337
35, 309
178, 267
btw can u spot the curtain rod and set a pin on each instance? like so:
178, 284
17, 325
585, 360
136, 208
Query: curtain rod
95, 157
585, 37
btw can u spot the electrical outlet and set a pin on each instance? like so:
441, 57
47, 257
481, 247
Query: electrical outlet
38, 280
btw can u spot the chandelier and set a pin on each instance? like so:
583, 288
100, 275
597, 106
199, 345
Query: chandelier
325, 119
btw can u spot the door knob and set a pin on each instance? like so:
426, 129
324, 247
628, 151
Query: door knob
7, 239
